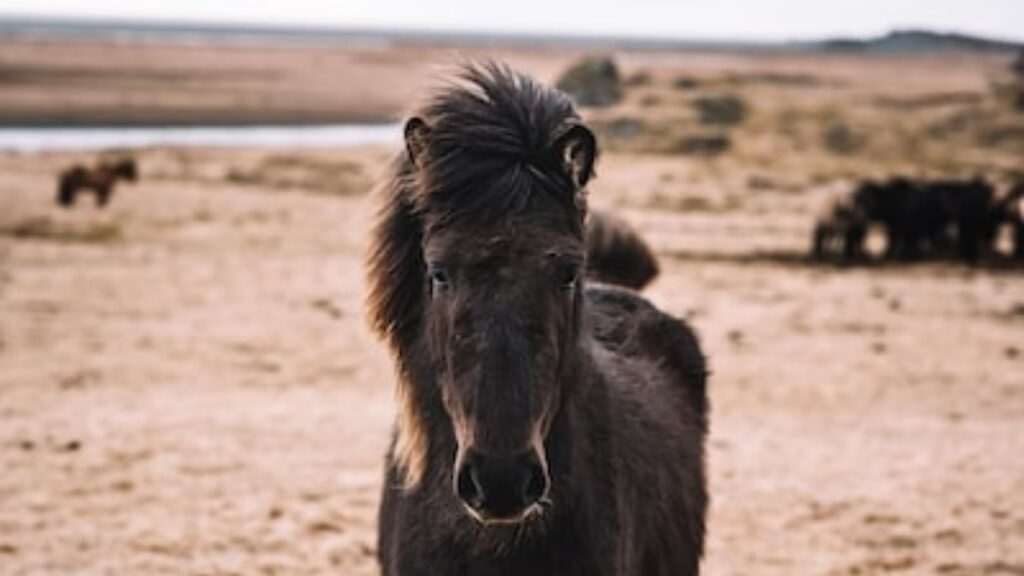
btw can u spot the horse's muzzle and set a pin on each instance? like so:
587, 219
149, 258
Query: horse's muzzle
502, 489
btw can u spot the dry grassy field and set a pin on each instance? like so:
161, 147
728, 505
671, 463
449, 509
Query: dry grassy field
47, 81
187, 384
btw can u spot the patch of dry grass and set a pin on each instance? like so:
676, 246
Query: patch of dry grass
45, 228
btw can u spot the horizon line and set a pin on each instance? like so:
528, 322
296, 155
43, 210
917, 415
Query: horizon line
500, 35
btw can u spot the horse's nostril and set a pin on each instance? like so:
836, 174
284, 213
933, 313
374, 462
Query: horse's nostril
536, 484
467, 486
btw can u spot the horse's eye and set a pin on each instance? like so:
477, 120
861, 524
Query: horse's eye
438, 274
568, 276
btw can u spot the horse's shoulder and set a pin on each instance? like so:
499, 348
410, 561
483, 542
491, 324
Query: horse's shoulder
617, 315
626, 324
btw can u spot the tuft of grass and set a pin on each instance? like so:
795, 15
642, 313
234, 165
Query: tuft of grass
838, 137
689, 203
1002, 135
592, 81
43, 228
723, 110
686, 83
706, 145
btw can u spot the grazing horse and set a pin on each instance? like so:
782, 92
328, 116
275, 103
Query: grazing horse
929, 216
545, 427
965, 208
100, 180
903, 208
616, 253
840, 231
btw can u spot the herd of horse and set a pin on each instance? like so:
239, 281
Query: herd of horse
922, 218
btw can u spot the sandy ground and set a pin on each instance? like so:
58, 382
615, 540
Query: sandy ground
187, 385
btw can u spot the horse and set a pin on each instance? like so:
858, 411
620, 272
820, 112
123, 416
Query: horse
908, 214
929, 217
965, 208
840, 231
617, 254
99, 180
545, 426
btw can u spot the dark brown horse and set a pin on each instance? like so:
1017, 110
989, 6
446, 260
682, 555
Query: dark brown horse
840, 231
99, 180
545, 427
929, 217
616, 253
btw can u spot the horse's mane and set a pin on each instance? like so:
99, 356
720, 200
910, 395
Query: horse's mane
478, 150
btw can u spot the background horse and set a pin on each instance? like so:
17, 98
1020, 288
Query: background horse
544, 427
617, 254
99, 180
930, 217
840, 231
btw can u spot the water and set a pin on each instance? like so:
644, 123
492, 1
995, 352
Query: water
98, 138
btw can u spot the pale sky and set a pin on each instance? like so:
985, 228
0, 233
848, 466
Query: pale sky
688, 19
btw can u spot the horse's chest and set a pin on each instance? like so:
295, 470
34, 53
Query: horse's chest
568, 563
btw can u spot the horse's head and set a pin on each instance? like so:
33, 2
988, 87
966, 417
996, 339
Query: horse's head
499, 170
869, 198
126, 169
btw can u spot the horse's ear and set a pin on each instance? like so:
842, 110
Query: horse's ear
576, 148
416, 134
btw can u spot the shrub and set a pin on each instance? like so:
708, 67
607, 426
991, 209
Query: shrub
703, 144
724, 110
839, 138
593, 81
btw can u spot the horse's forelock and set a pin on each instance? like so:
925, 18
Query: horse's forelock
493, 140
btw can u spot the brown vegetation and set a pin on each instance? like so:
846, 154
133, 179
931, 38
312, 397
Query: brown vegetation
593, 81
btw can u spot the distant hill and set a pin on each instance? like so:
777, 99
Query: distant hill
918, 41
125, 29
